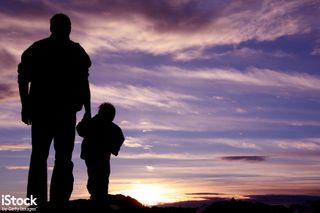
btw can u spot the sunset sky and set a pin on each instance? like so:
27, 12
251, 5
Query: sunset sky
216, 98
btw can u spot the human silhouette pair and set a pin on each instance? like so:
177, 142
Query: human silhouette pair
53, 86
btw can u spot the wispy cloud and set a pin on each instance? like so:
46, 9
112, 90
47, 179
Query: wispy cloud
136, 143
50, 168
141, 97
17, 167
162, 31
169, 156
7, 91
252, 76
249, 144
307, 147
225, 149
7, 60
316, 51
10, 113
243, 52
8, 86
15, 147
205, 193
160, 28
150, 168
311, 146
245, 158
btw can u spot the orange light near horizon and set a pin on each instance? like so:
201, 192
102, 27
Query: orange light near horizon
149, 194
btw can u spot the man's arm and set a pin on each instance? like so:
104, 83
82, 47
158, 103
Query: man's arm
24, 97
24, 79
86, 63
87, 101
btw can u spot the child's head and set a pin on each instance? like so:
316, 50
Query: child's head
107, 111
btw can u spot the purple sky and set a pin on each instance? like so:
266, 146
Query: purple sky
214, 97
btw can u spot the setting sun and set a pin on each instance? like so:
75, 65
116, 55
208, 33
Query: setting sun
149, 194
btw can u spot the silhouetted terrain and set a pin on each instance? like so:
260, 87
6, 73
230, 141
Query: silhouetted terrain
232, 206
121, 203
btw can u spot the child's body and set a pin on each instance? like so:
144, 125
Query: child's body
102, 138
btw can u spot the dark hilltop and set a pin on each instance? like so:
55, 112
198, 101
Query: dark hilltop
121, 203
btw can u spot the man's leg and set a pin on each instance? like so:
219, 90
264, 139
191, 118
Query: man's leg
62, 178
37, 179
92, 174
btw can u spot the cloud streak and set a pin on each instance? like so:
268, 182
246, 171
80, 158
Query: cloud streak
252, 77
245, 158
159, 27
7, 91
15, 168
134, 96
15, 147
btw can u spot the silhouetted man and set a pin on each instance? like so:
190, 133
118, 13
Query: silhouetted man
53, 86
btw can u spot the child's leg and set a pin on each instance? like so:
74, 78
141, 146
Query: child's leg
105, 167
98, 178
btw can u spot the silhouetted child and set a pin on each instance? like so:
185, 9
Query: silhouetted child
102, 138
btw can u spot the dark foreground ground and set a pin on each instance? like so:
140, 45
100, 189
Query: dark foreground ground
120, 203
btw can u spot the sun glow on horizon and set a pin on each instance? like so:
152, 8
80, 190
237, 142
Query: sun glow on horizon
150, 194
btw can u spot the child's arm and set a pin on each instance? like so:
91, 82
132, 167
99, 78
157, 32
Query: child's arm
82, 127
118, 141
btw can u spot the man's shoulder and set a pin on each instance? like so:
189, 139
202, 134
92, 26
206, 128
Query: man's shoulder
41, 42
35, 47
77, 48
76, 45
49, 40
38, 44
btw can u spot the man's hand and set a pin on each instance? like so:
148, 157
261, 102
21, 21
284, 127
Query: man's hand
25, 116
87, 115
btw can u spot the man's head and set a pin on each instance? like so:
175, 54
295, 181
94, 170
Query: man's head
107, 111
60, 25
